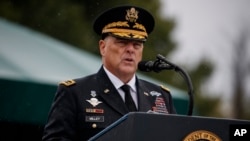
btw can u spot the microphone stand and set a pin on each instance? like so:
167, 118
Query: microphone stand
185, 77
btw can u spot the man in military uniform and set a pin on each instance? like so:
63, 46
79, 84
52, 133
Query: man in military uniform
82, 107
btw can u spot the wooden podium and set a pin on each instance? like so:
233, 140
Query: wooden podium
158, 127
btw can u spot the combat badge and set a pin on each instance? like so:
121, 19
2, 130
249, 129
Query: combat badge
94, 101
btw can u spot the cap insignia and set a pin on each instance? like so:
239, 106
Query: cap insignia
132, 15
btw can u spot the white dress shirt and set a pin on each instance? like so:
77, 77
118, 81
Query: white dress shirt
118, 83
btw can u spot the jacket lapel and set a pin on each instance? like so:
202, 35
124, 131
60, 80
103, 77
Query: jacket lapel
145, 101
109, 93
112, 98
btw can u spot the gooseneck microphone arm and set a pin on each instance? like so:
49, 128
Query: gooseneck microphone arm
163, 64
185, 77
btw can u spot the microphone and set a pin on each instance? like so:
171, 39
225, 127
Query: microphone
155, 66
162, 64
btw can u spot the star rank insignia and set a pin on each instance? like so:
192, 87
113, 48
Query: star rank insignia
68, 82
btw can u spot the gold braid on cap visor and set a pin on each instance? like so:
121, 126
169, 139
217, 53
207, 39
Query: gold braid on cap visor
126, 33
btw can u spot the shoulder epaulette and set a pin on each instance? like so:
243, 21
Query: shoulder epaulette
165, 88
68, 82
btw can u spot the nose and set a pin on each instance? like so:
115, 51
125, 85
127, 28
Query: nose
130, 49
130, 46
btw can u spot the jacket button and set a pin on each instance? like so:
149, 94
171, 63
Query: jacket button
94, 125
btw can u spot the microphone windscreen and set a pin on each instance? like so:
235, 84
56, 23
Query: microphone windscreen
144, 66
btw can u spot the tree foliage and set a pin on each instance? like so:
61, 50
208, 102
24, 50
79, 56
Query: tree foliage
71, 21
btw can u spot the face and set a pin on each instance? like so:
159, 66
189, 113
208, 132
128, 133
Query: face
121, 56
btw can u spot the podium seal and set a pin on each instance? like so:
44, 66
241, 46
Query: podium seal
201, 135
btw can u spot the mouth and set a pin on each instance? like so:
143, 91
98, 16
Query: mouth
129, 60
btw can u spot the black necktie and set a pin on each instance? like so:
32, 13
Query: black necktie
128, 99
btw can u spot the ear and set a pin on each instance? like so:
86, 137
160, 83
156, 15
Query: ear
102, 47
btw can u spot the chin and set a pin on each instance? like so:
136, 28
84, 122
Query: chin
128, 70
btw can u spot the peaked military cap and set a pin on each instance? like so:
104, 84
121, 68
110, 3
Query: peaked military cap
127, 22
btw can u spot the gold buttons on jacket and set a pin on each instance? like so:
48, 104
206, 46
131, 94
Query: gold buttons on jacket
94, 125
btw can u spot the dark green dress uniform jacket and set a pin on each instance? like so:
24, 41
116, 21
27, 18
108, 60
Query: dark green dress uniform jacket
84, 106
